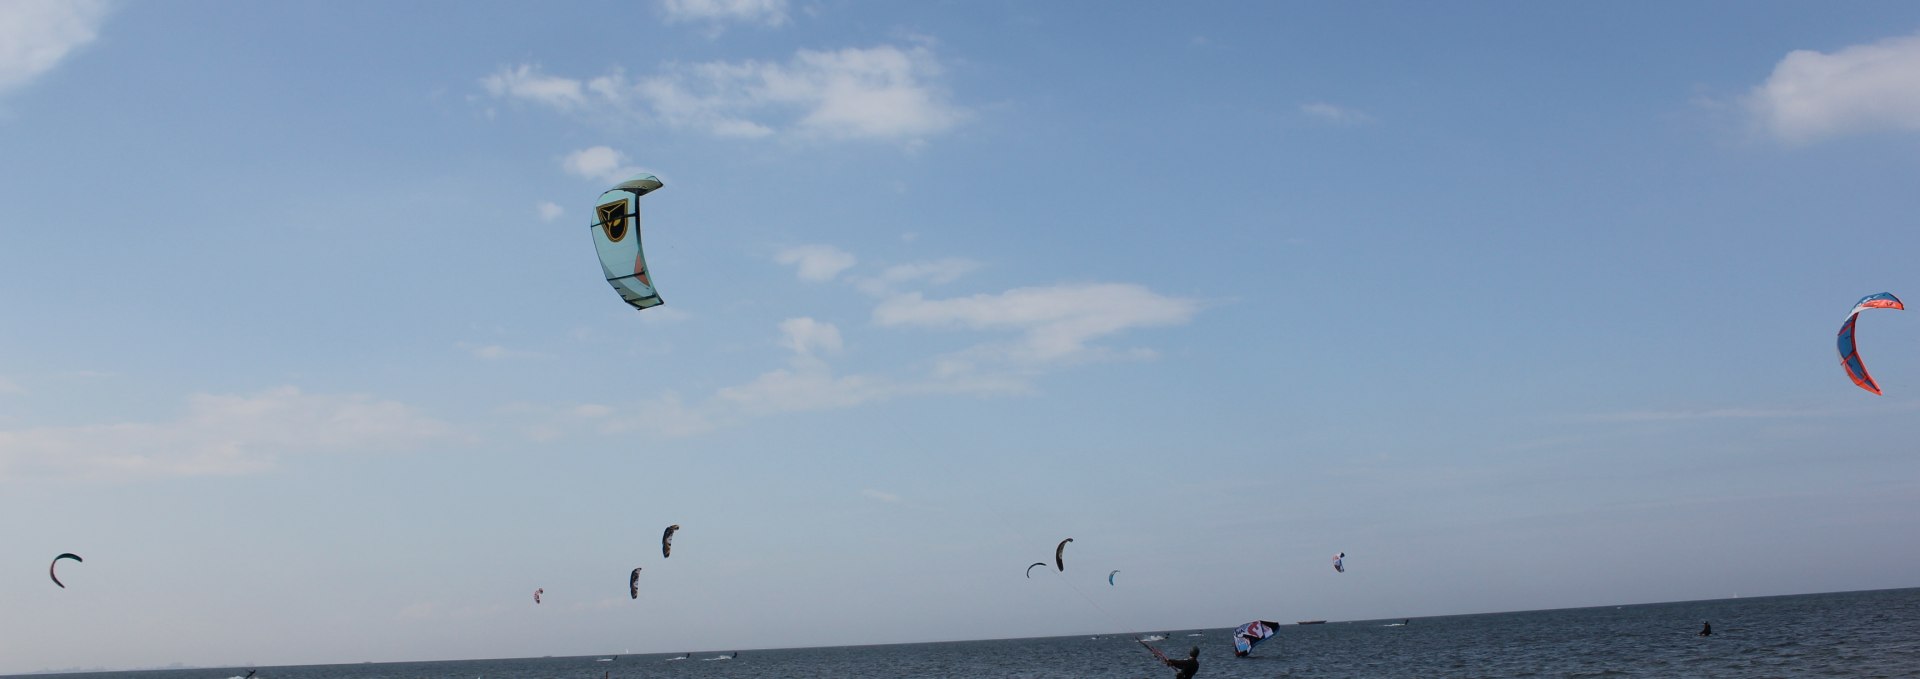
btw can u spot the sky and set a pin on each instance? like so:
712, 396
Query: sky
306, 352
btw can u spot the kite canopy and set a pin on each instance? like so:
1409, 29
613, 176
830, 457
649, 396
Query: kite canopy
1338, 565
639, 185
1059, 555
537, 593
1247, 636
616, 237
1110, 577
56, 562
633, 584
1849, 353
1036, 564
666, 541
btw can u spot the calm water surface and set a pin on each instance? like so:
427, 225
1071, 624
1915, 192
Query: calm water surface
1854, 634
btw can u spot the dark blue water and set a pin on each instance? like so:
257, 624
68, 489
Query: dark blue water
1853, 634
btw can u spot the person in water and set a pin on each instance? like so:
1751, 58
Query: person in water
1185, 668
1706, 629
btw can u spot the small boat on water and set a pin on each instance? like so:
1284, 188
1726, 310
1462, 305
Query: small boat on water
1311, 622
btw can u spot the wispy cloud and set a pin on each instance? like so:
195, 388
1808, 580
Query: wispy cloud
528, 83
763, 12
1863, 88
811, 385
817, 263
36, 35
600, 163
494, 352
888, 92
1056, 323
666, 415
807, 337
939, 271
1335, 114
1053, 326
219, 435
550, 211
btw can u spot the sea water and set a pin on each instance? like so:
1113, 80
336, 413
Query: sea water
1852, 634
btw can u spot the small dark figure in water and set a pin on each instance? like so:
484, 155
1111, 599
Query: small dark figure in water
1706, 629
250, 673
1403, 623
1185, 669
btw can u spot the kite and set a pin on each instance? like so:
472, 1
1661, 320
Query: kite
1059, 552
1850, 354
1110, 577
1030, 568
1338, 566
616, 237
1245, 637
666, 541
56, 562
537, 593
633, 584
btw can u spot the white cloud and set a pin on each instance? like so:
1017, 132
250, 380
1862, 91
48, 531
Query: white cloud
805, 335
494, 352
880, 495
550, 211
35, 35
935, 271
886, 92
526, 82
220, 435
1335, 114
599, 163
816, 262
1861, 88
664, 415
1056, 325
1058, 322
939, 271
811, 386
765, 12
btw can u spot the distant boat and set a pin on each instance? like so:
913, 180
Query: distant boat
1311, 622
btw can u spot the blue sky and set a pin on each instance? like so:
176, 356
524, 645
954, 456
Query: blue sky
307, 353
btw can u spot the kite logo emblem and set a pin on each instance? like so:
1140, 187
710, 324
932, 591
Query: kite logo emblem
613, 220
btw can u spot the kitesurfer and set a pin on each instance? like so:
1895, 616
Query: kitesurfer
1185, 668
1706, 629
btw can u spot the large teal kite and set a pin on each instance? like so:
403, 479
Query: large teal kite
616, 236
